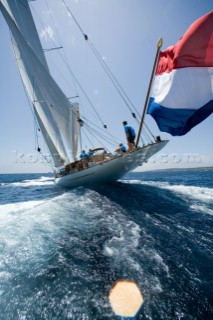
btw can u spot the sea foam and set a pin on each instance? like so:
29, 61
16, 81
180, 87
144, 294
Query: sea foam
199, 193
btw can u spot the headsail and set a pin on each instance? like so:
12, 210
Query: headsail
54, 112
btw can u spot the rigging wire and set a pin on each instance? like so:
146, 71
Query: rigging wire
53, 21
36, 126
88, 121
27, 33
104, 137
59, 39
104, 65
31, 105
101, 135
146, 136
149, 131
89, 140
91, 131
65, 60
112, 77
85, 94
106, 68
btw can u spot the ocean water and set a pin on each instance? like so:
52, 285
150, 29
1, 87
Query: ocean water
62, 250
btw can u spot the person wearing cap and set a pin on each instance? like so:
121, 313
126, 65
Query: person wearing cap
130, 136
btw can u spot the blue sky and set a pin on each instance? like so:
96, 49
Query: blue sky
125, 32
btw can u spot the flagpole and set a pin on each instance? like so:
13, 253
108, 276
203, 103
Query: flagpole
159, 45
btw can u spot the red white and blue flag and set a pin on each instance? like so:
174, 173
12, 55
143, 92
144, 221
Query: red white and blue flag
182, 93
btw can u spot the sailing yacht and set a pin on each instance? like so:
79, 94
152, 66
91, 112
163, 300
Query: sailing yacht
61, 120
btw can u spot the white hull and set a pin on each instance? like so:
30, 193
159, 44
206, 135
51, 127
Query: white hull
110, 170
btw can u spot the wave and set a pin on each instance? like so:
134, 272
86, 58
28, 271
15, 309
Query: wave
202, 209
21, 190
43, 181
93, 238
199, 193
19, 206
78, 216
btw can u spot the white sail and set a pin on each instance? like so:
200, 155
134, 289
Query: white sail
74, 120
56, 156
54, 112
20, 13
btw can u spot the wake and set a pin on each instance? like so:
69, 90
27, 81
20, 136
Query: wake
199, 199
199, 193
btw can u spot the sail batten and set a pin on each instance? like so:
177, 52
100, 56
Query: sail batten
53, 109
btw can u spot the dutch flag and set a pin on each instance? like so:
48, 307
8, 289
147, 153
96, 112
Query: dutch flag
182, 93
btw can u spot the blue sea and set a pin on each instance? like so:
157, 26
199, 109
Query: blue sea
62, 250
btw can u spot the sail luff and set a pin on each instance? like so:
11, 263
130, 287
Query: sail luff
53, 138
50, 102
20, 13
45, 119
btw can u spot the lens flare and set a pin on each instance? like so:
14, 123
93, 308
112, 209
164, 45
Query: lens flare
125, 298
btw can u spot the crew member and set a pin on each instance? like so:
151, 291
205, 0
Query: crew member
91, 152
84, 155
121, 149
130, 136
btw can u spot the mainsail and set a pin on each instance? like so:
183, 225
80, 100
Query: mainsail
56, 116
